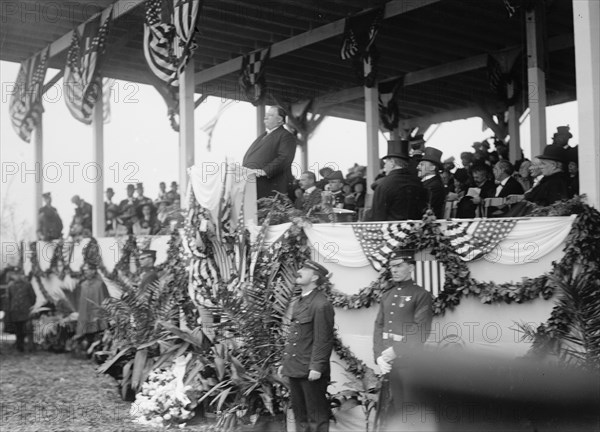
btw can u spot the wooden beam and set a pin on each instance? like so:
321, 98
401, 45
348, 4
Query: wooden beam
121, 7
310, 37
186, 127
53, 81
436, 72
98, 223
38, 164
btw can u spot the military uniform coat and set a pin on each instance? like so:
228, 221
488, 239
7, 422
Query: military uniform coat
436, 195
148, 277
404, 311
310, 339
273, 153
398, 196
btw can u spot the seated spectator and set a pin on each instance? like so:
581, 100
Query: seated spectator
535, 171
311, 196
466, 159
462, 182
162, 191
506, 185
483, 187
127, 208
554, 186
523, 175
400, 194
336, 193
141, 198
172, 194
324, 173
162, 214
359, 191
573, 168
111, 223
146, 223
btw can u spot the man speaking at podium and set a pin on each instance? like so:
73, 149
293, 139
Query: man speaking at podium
271, 155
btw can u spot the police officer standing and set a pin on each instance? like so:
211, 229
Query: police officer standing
148, 274
307, 351
403, 322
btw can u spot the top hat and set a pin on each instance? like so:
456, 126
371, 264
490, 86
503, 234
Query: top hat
417, 139
397, 149
433, 155
46, 195
148, 253
404, 255
554, 152
318, 268
563, 130
336, 175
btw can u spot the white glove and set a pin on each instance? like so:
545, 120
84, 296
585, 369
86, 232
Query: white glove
384, 366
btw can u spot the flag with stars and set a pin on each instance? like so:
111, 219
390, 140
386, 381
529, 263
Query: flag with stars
378, 241
472, 240
25, 107
83, 76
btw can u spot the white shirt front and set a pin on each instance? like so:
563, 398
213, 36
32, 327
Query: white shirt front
500, 186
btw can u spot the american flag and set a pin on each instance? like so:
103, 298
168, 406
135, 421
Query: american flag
209, 126
26, 107
378, 241
472, 240
82, 79
185, 16
159, 37
252, 76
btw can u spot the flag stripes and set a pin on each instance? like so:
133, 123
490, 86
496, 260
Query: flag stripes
378, 241
472, 240
25, 107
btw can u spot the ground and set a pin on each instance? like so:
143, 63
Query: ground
57, 392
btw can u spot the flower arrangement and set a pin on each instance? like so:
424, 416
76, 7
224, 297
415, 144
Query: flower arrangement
163, 400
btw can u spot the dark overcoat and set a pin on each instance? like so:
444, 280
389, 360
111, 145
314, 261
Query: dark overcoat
550, 189
273, 153
436, 195
398, 196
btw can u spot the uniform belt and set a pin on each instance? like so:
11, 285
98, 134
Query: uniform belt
393, 336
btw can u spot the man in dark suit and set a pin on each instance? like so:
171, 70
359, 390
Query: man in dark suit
506, 185
271, 155
50, 224
554, 186
428, 171
399, 195
306, 356
487, 189
311, 195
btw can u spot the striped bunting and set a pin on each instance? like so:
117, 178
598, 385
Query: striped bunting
472, 240
82, 78
378, 241
25, 107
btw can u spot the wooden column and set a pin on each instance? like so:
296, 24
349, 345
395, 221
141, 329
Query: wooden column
38, 165
372, 120
514, 145
303, 144
260, 119
536, 76
186, 127
98, 223
586, 19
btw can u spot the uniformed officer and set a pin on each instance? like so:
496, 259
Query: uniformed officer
403, 322
307, 351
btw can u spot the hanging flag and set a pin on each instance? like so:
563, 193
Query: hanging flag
159, 35
185, 17
472, 240
209, 126
107, 85
25, 106
252, 76
378, 241
389, 111
358, 44
82, 78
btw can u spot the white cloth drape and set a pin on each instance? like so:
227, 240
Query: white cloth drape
337, 244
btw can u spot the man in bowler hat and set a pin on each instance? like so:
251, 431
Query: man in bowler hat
428, 171
271, 155
400, 194
306, 355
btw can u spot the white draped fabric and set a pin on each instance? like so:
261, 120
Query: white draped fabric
337, 244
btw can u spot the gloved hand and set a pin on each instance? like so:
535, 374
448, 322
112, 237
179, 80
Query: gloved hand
384, 366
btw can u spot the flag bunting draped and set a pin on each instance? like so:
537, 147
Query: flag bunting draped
378, 241
252, 75
358, 44
25, 106
83, 72
473, 239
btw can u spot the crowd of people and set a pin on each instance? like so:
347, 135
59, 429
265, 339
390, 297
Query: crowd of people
135, 214
413, 178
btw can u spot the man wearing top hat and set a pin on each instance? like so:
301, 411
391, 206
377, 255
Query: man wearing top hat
306, 355
417, 148
50, 224
400, 194
403, 323
562, 136
428, 171
148, 275
554, 186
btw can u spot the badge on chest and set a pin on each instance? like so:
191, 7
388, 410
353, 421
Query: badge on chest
404, 300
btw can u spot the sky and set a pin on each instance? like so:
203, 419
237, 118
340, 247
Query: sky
140, 146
